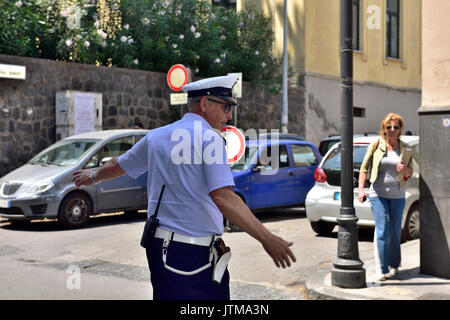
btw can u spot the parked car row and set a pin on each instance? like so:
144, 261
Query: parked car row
43, 187
281, 171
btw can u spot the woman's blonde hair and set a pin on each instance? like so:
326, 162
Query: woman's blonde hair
391, 117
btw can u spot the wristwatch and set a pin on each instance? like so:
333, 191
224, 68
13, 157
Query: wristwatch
91, 177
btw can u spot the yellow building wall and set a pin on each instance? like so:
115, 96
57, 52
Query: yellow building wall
295, 24
313, 40
370, 64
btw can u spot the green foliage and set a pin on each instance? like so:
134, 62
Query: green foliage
152, 35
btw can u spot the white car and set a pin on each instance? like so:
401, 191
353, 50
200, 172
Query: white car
323, 200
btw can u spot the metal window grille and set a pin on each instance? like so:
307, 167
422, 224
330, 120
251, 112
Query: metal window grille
393, 28
356, 25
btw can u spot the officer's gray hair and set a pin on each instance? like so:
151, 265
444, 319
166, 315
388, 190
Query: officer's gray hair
192, 102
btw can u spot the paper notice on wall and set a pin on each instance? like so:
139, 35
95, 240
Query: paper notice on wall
84, 117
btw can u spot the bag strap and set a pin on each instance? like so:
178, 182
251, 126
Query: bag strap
375, 146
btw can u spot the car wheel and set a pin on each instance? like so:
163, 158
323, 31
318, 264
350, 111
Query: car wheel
74, 211
412, 224
322, 228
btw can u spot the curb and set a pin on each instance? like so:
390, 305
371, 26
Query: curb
318, 289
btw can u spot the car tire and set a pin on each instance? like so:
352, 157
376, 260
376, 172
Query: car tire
74, 211
412, 224
322, 228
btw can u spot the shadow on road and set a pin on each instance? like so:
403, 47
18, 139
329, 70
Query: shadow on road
274, 215
94, 222
281, 214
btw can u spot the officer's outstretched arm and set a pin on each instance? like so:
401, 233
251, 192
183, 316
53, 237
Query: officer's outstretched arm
235, 210
110, 170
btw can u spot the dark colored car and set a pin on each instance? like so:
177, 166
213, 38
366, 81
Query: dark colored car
327, 143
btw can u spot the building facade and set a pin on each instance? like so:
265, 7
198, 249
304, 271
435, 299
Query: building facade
387, 59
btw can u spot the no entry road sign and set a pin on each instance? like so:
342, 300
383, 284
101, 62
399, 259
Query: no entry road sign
235, 143
177, 77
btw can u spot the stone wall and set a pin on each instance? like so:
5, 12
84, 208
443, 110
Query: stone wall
27, 107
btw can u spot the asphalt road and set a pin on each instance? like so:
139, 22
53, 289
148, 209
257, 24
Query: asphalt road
104, 260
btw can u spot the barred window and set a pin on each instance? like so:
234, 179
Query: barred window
356, 25
393, 28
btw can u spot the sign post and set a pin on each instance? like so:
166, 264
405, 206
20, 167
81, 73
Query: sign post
237, 93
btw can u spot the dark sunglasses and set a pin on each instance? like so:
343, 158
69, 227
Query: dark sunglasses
226, 106
390, 127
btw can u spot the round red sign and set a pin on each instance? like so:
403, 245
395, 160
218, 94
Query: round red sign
177, 77
235, 146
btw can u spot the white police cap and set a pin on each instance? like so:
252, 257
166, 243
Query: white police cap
216, 86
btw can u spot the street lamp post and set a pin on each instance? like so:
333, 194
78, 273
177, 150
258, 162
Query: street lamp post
347, 271
284, 103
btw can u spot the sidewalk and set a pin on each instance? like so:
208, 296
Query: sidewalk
409, 284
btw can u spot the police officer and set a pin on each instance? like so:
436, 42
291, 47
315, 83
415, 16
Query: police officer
189, 158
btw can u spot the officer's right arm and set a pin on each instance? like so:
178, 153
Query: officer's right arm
235, 210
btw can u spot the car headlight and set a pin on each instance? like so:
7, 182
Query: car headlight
39, 187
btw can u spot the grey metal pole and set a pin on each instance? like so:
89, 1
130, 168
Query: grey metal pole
348, 271
284, 107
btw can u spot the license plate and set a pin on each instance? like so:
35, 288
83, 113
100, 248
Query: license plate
4, 204
337, 196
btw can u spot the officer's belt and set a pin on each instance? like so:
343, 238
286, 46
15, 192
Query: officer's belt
169, 236
199, 241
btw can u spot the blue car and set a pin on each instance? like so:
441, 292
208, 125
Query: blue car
275, 172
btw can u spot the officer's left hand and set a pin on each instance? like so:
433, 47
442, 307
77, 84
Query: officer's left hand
279, 250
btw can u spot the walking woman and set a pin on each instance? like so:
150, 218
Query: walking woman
387, 194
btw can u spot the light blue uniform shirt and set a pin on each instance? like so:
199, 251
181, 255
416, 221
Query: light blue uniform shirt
189, 157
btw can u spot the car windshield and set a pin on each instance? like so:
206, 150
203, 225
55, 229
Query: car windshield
245, 162
64, 152
333, 161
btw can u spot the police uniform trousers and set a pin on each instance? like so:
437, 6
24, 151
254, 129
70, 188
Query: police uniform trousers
168, 285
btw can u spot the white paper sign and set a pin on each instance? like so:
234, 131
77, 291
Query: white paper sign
237, 89
84, 117
178, 98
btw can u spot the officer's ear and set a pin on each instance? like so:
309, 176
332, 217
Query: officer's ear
203, 103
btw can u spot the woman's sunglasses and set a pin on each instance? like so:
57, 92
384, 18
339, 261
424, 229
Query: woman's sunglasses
390, 127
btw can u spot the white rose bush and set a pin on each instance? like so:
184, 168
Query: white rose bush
143, 34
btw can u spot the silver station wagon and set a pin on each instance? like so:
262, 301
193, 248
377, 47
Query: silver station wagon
43, 187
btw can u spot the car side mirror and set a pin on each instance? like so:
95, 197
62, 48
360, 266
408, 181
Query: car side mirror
258, 168
105, 160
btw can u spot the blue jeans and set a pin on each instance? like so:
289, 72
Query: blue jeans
388, 223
